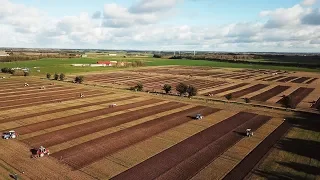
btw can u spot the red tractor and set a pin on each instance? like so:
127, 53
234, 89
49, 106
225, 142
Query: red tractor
40, 152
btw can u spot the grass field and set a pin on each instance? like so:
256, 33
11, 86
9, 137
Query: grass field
64, 65
295, 156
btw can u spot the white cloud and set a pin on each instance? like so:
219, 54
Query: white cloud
308, 2
313, 18
291, 29
284, 17
151, 6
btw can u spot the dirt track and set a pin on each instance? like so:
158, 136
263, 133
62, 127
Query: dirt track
50, 96
78, 117
250, 161
185, 159
317, 104
40, 94
301, 80
227, 89
270, 93
16, 118
298, 95
288, 79
48, 100
28, 91
311, 80
274, 78
89, 152
248, 90
73, 132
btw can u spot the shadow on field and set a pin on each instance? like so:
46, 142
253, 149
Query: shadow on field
302, 167
306, 146
277, 175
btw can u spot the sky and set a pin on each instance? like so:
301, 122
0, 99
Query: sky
208, 25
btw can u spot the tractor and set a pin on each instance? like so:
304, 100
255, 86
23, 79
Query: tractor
198, 117
249, 133
112, 105
10, 135
41, 152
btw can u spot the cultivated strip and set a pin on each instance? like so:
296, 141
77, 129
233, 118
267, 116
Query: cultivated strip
186, 158
78, 117
227, 88
89, 152
248, 90
270, 93
54, 138
249, 162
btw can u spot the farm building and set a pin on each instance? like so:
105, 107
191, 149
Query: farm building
80, 65
112, 54
98, 65
84, 55
107, 63
3, 53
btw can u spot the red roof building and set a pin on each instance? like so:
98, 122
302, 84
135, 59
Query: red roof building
104, 62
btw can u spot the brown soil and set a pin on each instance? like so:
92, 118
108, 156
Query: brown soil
54, 138
73, 118
301, 80
249, 162
251, 89
298, 95
227, 89
41, 98
270, 93
274, 78
186, 158
89, 152
287, 79
310, 81
48, 100
16, 118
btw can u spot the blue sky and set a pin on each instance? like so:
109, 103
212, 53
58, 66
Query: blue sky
190, 11
180, 24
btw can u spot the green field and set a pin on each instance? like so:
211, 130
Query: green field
295, 156
64, 65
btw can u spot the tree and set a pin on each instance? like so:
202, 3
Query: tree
182, 88
79, 79
139, 87
5, 70
139, 63
167, 88
62, 77
26, 73
157, 56
192, 91
287, 102
56, 76
228, 96
247, 100
48, 75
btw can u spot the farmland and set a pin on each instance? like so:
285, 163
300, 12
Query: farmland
266, 87
63, 65
143, 135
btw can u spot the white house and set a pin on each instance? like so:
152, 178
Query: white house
112, 54
80, 65
98, 65
84, 55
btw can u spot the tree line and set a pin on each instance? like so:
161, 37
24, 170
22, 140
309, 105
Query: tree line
182, 88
